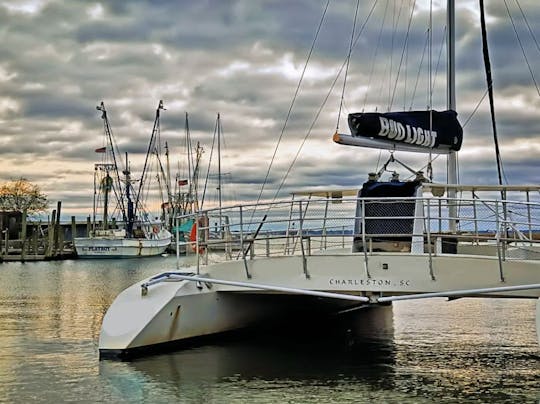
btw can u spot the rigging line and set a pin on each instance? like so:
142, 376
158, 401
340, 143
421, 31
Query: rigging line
430, 61
292, 104
373, 60
209, 163
347, 64
405, 82
391, 64
418, 73
443, 40
316, 118
475, 108
405, 43
430, 176
528, 26
521, 46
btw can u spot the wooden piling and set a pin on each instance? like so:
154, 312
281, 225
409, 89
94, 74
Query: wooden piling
6, 241
50, 234
57, 228
23, 234
34, 243
88, 226
73, 227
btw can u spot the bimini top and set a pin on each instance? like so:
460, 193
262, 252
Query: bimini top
421, 131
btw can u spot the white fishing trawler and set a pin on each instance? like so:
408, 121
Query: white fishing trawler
335, 252
136, 235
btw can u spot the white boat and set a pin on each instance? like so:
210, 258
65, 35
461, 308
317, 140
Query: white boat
336, 252
136, 235
113, 243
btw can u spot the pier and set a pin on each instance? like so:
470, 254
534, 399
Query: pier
23, 240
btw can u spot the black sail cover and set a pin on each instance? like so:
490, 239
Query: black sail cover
410, 127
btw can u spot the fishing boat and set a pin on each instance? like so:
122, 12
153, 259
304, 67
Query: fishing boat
345, 252
136, 234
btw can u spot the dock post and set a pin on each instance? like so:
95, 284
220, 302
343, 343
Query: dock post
50, 234
57, 228
34, 243
61, 242
23, 234
6, 241
88, 226
73, 233
1, 232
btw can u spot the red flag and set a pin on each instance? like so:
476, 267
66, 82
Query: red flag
182, 182
101, 150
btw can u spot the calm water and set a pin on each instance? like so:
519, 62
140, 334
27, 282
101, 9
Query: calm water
468, 350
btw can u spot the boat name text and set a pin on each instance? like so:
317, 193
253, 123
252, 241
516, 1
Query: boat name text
99, 249
368, 282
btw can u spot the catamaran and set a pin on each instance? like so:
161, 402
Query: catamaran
137, 234
329, 252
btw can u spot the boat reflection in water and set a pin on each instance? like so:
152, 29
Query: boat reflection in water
414, 352
294, 354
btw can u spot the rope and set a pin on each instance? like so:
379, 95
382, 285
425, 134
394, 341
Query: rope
418, 73
347, 63
521, 46
291, 106
528, 26
209, 164
403, 52
375, 55
315, 119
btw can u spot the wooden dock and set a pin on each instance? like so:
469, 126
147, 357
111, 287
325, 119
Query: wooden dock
40, 241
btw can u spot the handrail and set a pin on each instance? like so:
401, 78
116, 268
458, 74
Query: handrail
324, 218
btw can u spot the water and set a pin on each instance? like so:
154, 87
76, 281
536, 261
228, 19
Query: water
468, 350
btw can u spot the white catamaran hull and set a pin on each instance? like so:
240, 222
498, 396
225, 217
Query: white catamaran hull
175, 310
93, 247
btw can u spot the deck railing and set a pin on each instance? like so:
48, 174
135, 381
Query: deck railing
367, 225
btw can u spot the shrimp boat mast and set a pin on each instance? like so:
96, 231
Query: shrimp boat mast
135, 235
338, 252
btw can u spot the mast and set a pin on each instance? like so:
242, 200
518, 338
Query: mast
168, 179
195, 180
130, 212
151, 147
451, 167
219, 167
110, 140
487, 65
188, 206
106, 185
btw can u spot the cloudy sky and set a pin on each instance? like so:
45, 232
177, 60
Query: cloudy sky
245, 59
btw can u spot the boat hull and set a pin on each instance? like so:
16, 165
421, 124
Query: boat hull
119, 248
174, 310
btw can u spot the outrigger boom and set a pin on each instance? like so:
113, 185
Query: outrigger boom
381, 299
173, 276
